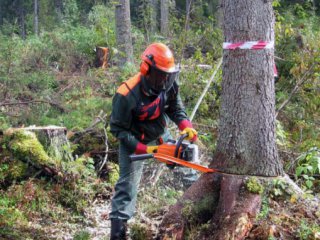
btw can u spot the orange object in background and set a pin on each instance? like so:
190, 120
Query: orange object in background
102, 54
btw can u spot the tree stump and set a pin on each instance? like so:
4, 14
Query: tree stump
24, 144
174, 224
233, 209
102, 54
54, 140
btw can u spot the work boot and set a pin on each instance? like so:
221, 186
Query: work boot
118, 229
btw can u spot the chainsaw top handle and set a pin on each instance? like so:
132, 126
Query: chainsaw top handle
182, 137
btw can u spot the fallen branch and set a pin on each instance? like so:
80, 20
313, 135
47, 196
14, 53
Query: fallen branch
80, 134
103, 119
62, 109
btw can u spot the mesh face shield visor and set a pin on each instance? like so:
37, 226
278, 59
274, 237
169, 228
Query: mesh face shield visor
161, 81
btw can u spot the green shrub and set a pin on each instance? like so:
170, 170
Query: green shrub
140, 232
81, 235
254, 185
308, 166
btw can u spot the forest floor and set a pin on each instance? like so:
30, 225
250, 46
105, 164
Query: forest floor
283, 215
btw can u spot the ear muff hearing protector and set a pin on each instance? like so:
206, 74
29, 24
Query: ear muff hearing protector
145, 66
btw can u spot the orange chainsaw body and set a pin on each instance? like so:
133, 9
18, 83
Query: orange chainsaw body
168, 149
172, 153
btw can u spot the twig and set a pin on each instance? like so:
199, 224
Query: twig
205, 90
96, 121
157, 176
102, 119
299, 83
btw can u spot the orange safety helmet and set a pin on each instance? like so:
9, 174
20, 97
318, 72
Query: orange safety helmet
158, 67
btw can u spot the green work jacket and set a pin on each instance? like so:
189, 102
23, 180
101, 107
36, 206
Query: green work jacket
138, 119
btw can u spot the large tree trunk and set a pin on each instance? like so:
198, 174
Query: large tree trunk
164, 11
36, 17
247, 141
123, 28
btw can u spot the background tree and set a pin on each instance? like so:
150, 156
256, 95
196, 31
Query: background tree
36, 16
188, 10
21, 13
154, 8
123, 29
164, 12
59, 9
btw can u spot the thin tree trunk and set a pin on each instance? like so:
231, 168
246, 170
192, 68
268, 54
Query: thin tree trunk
188, 9
36, 17
164, 10
123, 29
21, 19
219, 13
154, 16
1, 13
58, 8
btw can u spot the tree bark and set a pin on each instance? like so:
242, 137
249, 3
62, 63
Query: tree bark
174, 223
59, 9
21, 18
1, 14
164, 11
188, 9
154, 16
247, 140
36, 17
246, 143
123, 29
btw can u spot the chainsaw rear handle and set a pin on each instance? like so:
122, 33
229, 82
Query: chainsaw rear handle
140, 157
182, 137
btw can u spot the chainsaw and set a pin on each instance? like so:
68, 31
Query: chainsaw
176, 153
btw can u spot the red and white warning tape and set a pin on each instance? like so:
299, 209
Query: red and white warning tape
256, 45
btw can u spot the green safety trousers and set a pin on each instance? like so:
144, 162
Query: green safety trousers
123, 203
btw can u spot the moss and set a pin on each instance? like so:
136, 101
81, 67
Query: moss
199, 212
113, 173
140, 232
11, 216
187, 210
25, 146
82, 235
17, 169
254, 185
12, 170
